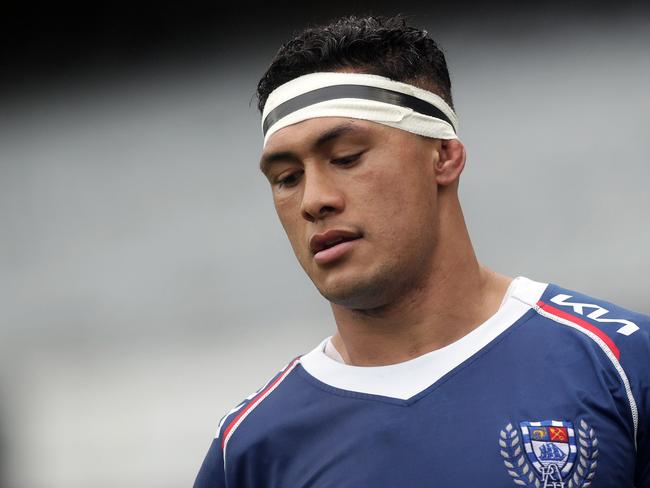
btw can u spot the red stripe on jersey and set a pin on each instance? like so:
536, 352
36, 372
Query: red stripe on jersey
582, 323
257, 399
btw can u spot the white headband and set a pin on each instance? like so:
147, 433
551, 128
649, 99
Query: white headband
359, 96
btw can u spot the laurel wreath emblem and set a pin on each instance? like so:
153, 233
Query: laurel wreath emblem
587, 458
514, 458
512, 451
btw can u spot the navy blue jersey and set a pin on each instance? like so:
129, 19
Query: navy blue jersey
551, 391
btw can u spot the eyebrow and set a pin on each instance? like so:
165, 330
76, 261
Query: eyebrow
329, 135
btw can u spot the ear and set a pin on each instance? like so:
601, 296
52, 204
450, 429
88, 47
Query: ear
451, 162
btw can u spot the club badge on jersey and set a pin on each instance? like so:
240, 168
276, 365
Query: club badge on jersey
550, 454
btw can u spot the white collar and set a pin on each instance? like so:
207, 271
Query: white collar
406, 379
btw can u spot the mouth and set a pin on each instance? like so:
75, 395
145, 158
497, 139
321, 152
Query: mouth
332, 244
331, 238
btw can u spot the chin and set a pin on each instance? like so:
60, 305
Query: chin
359, 294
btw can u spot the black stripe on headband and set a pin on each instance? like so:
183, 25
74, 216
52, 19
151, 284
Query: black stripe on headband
352, 91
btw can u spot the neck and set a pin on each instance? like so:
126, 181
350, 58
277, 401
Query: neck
456, 296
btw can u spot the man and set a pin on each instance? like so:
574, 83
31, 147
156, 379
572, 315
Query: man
442, 372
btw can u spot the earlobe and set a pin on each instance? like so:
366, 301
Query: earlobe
451, 162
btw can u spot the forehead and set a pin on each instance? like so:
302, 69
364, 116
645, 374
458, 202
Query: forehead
313, 135
310, 132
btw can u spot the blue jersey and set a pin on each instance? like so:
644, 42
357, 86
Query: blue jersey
551, 391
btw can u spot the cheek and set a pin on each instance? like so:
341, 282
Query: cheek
399, 211
398, 201
288, 211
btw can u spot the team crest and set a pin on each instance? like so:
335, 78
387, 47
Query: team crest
550, 454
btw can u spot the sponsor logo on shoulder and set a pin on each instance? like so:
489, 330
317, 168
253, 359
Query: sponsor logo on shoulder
550, 454
596, 313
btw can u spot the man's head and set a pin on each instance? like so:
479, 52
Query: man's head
385, 46
383, 191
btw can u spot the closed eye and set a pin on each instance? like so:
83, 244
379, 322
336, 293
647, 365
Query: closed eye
345, 160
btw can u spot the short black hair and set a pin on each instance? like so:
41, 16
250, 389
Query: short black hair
385, 46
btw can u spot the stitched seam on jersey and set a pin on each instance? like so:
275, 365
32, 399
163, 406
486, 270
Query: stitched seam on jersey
253, 404
243, 404
429, 389
608, 352
525, 302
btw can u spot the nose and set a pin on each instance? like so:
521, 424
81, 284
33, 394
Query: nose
321, 196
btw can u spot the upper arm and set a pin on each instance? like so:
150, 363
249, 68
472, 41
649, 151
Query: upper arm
211, 474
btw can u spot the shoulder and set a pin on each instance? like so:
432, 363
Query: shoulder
616, 338
620, 332
213, 469
233, 419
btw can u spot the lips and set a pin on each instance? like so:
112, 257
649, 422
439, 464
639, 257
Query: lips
329, 247
331, 238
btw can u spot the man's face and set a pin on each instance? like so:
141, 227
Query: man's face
357, 200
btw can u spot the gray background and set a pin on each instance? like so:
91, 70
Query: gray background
147, 286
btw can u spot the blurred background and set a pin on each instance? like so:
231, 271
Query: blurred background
146, 285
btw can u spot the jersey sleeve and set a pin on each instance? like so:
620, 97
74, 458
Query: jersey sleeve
213, 470
638, 365
630, 332
211, 474
624, 336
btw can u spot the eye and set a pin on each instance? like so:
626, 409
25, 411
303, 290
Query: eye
288, 180
346, 160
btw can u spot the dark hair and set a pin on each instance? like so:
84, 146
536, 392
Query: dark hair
385, 46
